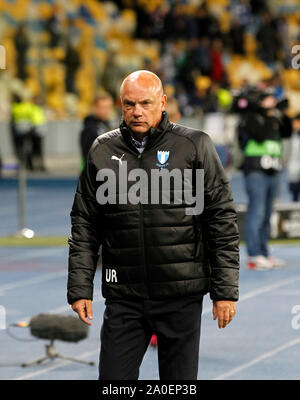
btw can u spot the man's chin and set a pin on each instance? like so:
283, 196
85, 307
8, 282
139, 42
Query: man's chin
139, 128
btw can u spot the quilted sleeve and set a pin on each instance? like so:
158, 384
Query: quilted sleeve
219, 225
85, 238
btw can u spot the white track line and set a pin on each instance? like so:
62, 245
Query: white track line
30, 253
258, 359
32, 281
55, 366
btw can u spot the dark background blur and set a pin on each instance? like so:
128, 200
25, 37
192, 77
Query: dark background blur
63, 52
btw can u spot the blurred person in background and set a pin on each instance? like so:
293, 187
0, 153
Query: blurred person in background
21, 130
28, 123
268, 38
236, 37
97, 123
72, 63
208, 25
112, 74
262, 129
38, 119
216, 55
293, 163
21, 45
53, 26
172, 110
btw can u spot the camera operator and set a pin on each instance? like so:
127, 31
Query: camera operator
262, 126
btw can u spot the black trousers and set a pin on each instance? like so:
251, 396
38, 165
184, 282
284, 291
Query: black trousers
127, 329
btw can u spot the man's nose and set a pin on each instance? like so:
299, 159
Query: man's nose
137, 111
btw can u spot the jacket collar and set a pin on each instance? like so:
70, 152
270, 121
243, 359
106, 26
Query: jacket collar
154, 133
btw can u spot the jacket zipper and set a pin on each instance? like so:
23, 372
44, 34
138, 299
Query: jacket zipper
142, 235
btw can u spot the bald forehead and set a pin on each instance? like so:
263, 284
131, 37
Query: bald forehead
143, 82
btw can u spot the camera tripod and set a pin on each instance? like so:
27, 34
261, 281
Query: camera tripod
51, 354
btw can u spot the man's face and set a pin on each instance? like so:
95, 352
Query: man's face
296, 124
268, 102
142, 105
103, 109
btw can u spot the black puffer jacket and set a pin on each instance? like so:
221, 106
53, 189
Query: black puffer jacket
154, 251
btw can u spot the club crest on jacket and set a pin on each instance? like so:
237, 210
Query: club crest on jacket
162, 157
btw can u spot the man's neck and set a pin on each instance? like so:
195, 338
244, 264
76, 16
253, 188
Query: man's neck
139, 136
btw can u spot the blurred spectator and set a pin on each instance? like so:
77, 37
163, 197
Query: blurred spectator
72, 64
202, 56
207, 24
268, 39
72, 33
204, 99
22, 45
293, 164
276, 83
172, 110
214, 121
258, 6
262, 131
112, 75
236, 37
97, 123
216, 56
143, 27
198, 57
21, 130
183, 101
168, 70
175, 23
28, 129
54, 27
241, 11
38, 119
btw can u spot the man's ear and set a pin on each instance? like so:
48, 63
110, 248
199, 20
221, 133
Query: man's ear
164, 102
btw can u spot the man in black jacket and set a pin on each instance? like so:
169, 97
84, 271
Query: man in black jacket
159, 257
96, 123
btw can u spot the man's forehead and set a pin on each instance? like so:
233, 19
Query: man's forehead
141, 86
138, 93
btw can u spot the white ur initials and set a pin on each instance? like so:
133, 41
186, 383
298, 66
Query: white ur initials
111, 275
